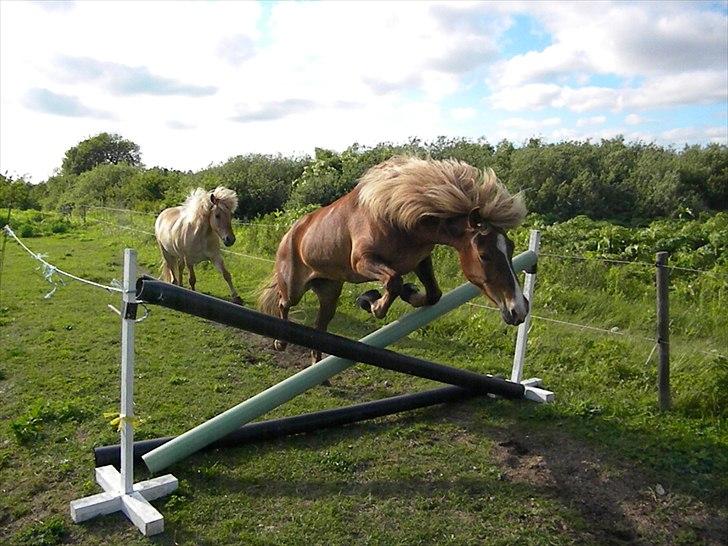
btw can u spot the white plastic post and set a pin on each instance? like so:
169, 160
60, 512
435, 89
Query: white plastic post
532, 392
522, 337
127, 374
120, 491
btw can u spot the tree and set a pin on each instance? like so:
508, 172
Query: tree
262, 182
147, 189
18, 194
103, 185
102, 149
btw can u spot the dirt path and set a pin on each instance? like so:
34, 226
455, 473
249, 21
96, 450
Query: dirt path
616, 499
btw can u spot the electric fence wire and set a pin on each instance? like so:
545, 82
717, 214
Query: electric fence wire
137, 230
49, 269
630, 262
612, 331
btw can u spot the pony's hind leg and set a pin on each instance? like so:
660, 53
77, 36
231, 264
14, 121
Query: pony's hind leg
289, 294
426, 273
169, 267
328, 293
283, 308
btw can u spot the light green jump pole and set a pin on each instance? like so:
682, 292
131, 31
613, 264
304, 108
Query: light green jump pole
195, 439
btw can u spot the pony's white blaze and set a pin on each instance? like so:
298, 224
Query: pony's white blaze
518, 304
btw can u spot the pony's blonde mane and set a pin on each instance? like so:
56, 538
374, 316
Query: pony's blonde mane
197, 206
403, 190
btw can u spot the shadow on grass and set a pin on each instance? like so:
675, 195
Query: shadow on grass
605, 479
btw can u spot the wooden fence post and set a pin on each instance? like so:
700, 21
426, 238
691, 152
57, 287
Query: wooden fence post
662, 278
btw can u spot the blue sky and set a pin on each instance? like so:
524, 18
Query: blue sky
197, 82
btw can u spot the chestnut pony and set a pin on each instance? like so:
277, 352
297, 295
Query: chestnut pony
190, 234
387, 226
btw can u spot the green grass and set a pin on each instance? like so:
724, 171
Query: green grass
489, 471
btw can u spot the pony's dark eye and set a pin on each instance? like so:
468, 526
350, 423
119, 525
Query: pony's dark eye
217, 215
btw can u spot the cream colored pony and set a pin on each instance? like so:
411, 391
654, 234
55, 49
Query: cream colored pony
189, 234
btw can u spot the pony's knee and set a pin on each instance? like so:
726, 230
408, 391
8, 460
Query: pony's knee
394, 285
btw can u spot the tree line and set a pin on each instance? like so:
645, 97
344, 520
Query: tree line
610, 179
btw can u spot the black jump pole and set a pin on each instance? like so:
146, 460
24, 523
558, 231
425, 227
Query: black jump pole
156, 292
299, 424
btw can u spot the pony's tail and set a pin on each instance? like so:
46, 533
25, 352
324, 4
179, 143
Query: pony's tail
165, 272
268, 296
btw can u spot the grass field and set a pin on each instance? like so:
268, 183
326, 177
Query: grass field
600, 466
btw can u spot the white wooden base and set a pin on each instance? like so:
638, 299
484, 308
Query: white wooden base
536, 394
533, 392
135, 505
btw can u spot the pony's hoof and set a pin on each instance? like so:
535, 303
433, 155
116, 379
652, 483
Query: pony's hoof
367, 299
280, 345
408, 290
237, 301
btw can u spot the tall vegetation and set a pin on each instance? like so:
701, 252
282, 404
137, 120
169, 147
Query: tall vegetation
611, 179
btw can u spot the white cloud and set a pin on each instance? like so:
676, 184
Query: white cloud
620, 38
536, 96
689, 88
523, 123
308, 74
532, 96
678, 50
519, 129
695, 134
538, 66
633, 119
465, 113
594, 120
195, 82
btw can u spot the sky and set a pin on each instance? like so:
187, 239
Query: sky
194, 83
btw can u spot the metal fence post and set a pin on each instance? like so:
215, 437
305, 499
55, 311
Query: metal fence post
662, 278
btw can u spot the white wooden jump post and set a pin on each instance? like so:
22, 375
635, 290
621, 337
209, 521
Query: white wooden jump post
533, 393
120, 491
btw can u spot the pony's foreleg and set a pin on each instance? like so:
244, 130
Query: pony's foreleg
368, 266
426, 273
328, 293
181, 270
193, 279
220, 266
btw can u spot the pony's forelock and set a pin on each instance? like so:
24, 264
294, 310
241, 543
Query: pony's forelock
198, 204
403, 190
226, 198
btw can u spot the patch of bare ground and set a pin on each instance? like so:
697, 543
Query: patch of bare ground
618, 502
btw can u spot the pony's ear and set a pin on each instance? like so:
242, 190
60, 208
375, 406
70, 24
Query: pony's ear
214, 200
475, 220
477, 223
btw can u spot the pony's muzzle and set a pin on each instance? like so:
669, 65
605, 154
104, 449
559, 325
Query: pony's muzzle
229, 240
515, 312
